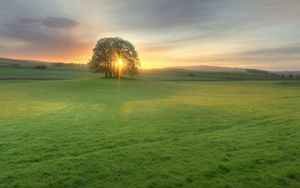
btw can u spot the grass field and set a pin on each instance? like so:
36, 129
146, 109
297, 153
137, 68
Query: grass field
95, 132
31, 73
17, 69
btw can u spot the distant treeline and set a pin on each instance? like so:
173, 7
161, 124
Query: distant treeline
291, 76
284, 75
256, 71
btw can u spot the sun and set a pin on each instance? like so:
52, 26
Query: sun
120, 62
119, 66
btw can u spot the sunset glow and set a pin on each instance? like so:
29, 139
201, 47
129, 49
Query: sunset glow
165, 33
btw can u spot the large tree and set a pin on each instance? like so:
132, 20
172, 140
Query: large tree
114, 57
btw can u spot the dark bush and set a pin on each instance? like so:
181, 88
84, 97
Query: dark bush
41, 67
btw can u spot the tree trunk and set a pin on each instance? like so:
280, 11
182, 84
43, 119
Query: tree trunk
105, 71
110, 73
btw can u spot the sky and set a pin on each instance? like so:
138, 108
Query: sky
262, 34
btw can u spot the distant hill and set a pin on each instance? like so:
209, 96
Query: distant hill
205, 68
207, 73
39, 70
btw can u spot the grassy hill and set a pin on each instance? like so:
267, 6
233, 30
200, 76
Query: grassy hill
134, 133
164, 128
24, 69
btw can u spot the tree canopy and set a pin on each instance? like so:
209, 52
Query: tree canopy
114, 57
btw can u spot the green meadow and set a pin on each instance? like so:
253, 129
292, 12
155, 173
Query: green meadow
141, 132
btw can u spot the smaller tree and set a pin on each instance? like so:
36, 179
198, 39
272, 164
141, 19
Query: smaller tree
114, 57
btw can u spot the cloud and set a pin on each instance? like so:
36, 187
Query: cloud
28, 31
57, 22
51, 22
196, 15
286, 51
48, 38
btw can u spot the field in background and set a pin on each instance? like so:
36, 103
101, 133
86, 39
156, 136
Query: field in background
17, 69
90, 131
200, 75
